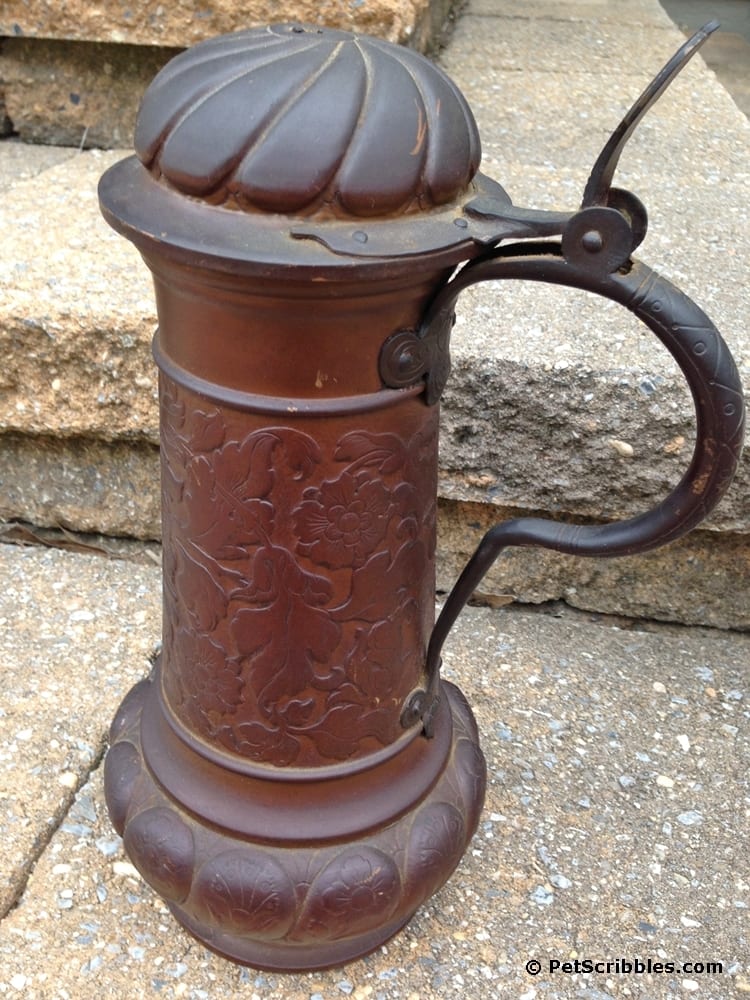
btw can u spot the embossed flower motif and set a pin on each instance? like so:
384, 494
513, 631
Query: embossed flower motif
361, 888
384, 654
198, 590
211, 685
342, 523
207, 431
246, 892
376, 658
355, 892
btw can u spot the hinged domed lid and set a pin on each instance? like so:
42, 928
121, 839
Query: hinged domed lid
304, 120
303, 146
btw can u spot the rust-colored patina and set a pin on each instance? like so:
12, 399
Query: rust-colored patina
294, 779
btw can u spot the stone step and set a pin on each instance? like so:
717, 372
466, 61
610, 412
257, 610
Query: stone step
558, 404
81, 94
182, 23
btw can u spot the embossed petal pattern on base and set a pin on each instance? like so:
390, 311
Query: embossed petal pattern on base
299, 907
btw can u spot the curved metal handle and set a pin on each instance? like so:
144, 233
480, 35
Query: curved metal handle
589, 259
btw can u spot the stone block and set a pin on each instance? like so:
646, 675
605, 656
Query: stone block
589, 45
583, 441
83, 484
77, 312
83, 95
702, 579
183, 23
547, 386
559, 404
634, 12
112, 489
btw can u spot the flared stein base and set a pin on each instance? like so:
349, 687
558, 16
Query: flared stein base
280, 956
283, 870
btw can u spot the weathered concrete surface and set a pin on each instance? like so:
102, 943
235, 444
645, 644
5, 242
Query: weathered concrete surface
729, 55
615, 825
75, 633
19, 161
601, 11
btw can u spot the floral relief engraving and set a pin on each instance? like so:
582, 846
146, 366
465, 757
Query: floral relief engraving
358, 890
162, 846
293, 628
246, 892
341, 523
437, 841
239, 894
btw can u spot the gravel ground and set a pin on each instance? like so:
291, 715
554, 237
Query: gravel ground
615, 826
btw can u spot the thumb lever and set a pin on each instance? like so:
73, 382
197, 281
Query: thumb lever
600, 181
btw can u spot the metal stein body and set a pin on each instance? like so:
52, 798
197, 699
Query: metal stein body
272, 794
294, 779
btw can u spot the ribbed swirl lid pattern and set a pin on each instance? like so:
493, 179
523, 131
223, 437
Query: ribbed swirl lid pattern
302, 120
